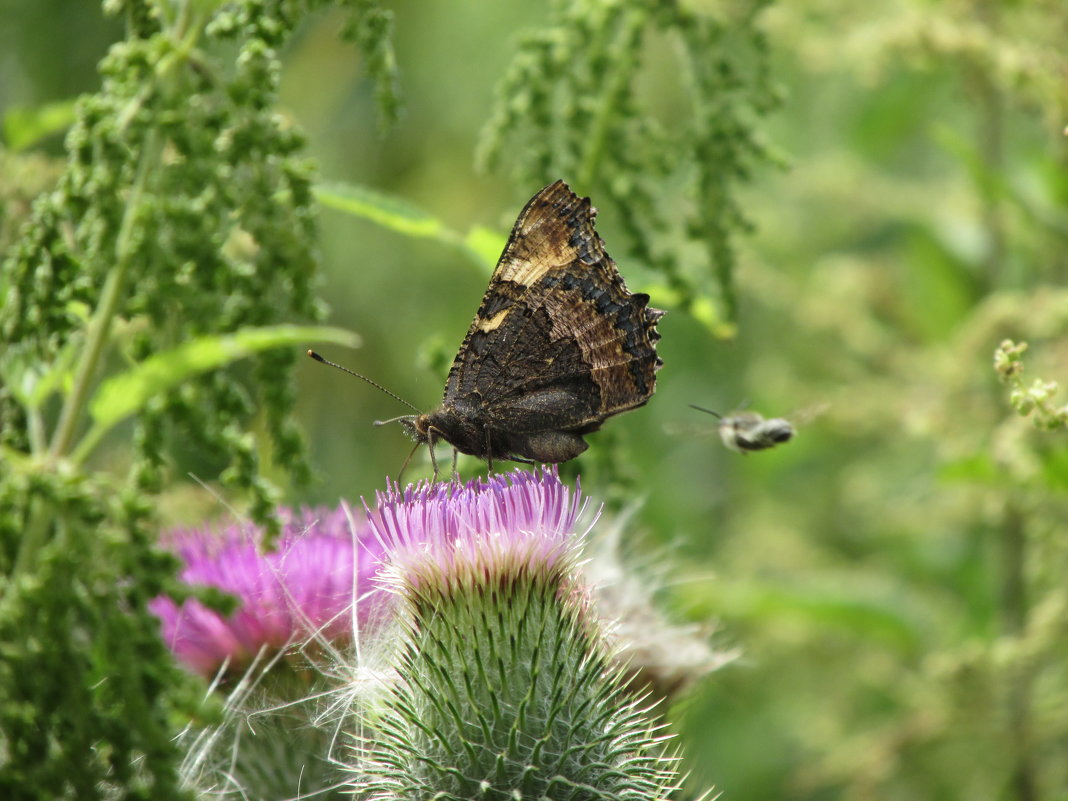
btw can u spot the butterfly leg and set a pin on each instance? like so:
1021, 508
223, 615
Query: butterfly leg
432, 440
407, 459
455, 457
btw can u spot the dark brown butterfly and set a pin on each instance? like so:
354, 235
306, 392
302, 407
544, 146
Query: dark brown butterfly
557, 346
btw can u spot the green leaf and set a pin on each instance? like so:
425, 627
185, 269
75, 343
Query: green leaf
486, 244
705, 311
979, 469
24, 127
124, 394
940, 285
1054, 462
386, 210
480, 245
989, 182
32, 381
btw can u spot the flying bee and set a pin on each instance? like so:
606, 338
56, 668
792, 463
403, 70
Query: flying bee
750, 431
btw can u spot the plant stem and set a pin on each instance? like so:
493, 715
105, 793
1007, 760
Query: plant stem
184, 32
1014, 608
38, 437
609, 101
1014, 601
87, 443
110, 299
33, 536
991, 113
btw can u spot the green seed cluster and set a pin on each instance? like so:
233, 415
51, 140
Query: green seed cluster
571, 105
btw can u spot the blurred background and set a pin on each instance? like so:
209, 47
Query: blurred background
894, 577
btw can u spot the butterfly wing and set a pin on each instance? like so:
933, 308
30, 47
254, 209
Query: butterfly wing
558, 342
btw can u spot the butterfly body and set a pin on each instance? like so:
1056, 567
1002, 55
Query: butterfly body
557, 346
473, 433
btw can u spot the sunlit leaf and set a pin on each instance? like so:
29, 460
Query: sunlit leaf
486, 244
480, 245
386, 210
703, 309
124, 394
974, 469
31, 381
24, 127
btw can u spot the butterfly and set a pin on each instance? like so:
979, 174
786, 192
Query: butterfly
558, 344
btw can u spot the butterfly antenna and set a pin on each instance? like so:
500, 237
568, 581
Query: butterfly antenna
374, 384
392, 420
709, 411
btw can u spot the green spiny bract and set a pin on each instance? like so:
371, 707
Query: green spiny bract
504, 692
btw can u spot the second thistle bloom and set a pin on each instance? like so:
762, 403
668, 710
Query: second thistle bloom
306, 586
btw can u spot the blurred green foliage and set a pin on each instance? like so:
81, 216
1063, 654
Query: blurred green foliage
895, 576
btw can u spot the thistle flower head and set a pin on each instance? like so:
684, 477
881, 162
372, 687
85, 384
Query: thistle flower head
503, 688
448, 535
304, 586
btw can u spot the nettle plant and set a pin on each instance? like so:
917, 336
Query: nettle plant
156, 298
181, 238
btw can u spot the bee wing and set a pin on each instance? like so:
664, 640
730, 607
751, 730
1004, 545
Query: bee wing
806, 415
690, 429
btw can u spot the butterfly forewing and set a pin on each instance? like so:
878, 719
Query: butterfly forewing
557, 316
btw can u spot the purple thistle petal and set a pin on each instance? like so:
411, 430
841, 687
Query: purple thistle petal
434, 532
302, 588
